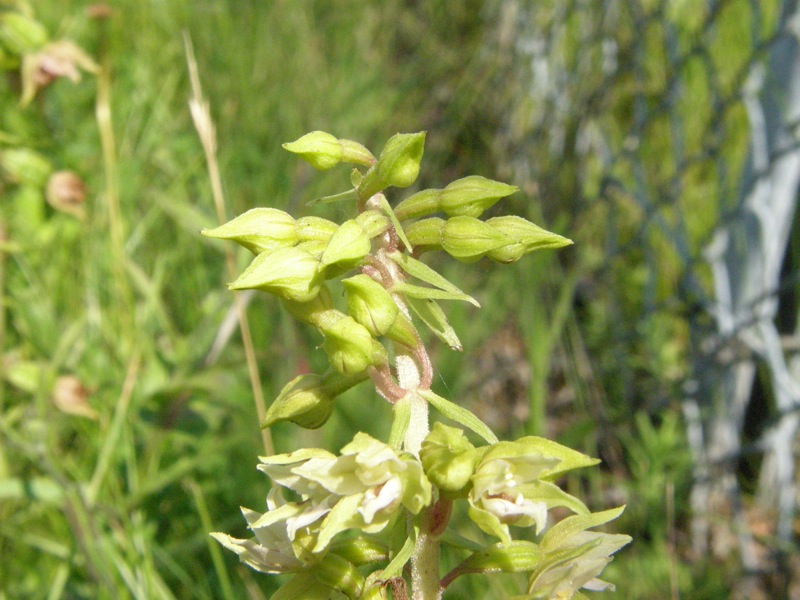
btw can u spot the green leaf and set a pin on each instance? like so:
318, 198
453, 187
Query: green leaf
395, 568
425, 293
421, 271
387, 210
433, 316
350, 194
401, 417
460, 415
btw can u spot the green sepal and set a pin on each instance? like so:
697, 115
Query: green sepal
320, 149
290, 273
468, 239
569, 459
258, 230
472, 195
433, 316
449, 460
339, 574
574, 556
460, 415
349, 244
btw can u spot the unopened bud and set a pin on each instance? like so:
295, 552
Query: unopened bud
371, 305
321, 150
66, 192
350, 347
468, 239
259, 230
302, 401
291, 273
21, 34
309, 312
25, 166
449, 460
472, 195
530, 236
398, 164
348, 245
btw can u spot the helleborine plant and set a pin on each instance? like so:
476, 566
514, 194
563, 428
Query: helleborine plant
372, 518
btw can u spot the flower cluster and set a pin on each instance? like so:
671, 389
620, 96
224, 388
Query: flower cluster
330, 515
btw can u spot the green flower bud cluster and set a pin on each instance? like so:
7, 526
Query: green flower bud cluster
421, 473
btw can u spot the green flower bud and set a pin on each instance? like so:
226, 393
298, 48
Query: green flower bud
348, 245
310, 312
468, 239
420, 204
321, 150
290, 273
373, 222
25, 166
324, 151
21, 34
427, 232
315, 229
258, 230
472, 195
398, 164
530, 235
449, 460
371, 305
302, 401
350, 347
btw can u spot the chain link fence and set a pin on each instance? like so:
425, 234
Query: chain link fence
662, 135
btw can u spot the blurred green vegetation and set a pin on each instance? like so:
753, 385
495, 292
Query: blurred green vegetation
130, 301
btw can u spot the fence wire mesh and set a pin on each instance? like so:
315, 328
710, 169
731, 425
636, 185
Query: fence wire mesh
663, 134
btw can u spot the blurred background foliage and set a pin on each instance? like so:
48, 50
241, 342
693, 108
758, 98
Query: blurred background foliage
127, 426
